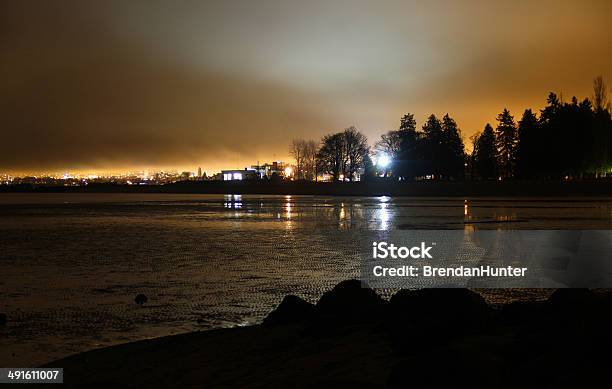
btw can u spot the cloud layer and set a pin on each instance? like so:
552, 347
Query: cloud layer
131, 84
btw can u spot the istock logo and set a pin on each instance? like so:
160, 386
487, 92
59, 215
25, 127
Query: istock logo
382, 250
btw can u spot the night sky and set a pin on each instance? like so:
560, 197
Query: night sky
222, 84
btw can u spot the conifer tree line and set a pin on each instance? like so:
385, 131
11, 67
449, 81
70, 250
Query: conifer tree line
565, 140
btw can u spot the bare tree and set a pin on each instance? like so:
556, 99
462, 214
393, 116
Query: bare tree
331, 157
389, 144
600, 95
304, 152
398, 142
296, 149
356, 148
310, 160
342, 154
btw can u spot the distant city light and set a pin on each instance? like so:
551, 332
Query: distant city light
288, 171
383, 161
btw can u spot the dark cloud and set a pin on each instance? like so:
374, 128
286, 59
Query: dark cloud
79, 96
102, 85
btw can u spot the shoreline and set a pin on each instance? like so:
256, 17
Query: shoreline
353, 338
377, 188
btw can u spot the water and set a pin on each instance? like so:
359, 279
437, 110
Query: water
71, 264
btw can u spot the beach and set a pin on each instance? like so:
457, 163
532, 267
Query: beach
351, 338
73, 263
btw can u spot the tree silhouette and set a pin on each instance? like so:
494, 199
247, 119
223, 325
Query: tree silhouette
296, 149
437, 150
408, 160
310, 160
568, 140
407, 123
600, 95
601, 134
527, 165
506, 141
388, 144
398, 144
568, 145
453, 157
356, 146
304, 153
369, 170
342, 154
548, 140
433, 146
331, 156
485, 155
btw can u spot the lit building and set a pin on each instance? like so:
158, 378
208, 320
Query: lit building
269, 169
265, 171
238, 175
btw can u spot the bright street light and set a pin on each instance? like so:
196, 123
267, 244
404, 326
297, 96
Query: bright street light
383, 161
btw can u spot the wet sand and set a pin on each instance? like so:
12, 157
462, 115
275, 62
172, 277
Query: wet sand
209, 261
439, 337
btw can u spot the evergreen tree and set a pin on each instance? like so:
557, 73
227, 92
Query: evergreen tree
409, 155
506, 141
547, 141
527, 147
453, 156
407, 123
433, 146
485, 155
567, 144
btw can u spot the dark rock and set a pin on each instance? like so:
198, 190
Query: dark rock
291, 310
350, 299
580, 316
569, 306
569, 298
435, 316
3, 319
524, 312
454, 308
141, 299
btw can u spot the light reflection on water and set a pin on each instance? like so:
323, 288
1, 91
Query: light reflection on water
71, 264
384, 215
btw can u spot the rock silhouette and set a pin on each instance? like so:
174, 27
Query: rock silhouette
562, 299
291, 310
350, 299
354, 338
439, 308
523, 312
